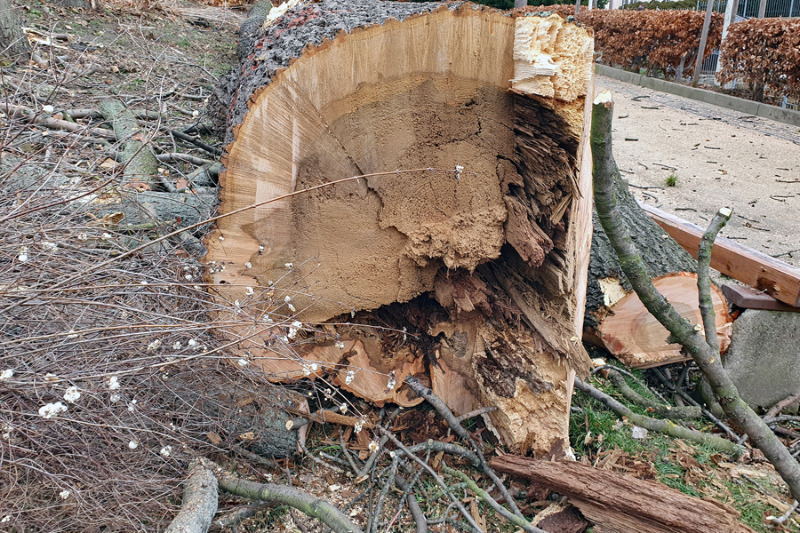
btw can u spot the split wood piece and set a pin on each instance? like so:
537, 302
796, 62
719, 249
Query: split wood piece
200, 500
622, 504
469, 272
324, 416
637, 339
140, 164
778, 279
750, 298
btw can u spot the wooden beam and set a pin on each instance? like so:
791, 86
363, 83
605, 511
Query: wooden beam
750, 298
623, 504
778, 279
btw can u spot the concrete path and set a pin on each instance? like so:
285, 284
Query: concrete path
719, 157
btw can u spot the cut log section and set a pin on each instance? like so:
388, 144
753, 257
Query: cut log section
637, 339
622, 504
615, 317
459, 256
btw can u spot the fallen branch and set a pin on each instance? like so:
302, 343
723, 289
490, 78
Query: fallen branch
740, 414
485, 496
53, 123
439, 481
232, 519
205, 176
140, 164
455, 425
776, 409
185, 158
413, 505
197, 142
660, 409
662, 426
284, 495
200, 501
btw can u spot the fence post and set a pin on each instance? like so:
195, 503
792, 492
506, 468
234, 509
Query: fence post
731, 10
703, 38
762, 9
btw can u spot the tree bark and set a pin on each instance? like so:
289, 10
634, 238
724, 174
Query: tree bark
459, 255
13, 43
623, 504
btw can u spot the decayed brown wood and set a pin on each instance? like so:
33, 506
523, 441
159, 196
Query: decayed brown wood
467, 273
622, 504
634, 337
776, 278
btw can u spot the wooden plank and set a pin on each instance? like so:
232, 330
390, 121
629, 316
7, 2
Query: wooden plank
750, 298
765, 273
623, 504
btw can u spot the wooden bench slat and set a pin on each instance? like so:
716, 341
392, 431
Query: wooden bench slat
778, 279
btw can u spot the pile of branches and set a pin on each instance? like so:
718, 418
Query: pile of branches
109, 372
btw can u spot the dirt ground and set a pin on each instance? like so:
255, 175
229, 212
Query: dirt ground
719, 157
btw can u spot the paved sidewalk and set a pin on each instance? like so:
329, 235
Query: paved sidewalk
719, 158
701, 109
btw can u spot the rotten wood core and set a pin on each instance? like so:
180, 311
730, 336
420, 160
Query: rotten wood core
469, 273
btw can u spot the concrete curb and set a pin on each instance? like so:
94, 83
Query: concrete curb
787, 116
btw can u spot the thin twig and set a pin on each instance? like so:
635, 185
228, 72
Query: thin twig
704, 278
456, 426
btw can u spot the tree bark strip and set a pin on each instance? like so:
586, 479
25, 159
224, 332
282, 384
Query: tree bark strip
623, 504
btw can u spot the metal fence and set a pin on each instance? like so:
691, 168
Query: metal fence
749, 8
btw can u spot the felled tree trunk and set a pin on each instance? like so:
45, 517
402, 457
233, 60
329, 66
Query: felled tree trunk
468, 272
616, 318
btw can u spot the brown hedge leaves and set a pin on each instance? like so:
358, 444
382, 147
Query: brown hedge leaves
765, 53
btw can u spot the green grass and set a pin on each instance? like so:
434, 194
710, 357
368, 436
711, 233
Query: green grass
595, 420
672, 180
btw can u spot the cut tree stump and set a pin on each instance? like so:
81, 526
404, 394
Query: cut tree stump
623, 504
616, 318
637, 339
468, 272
